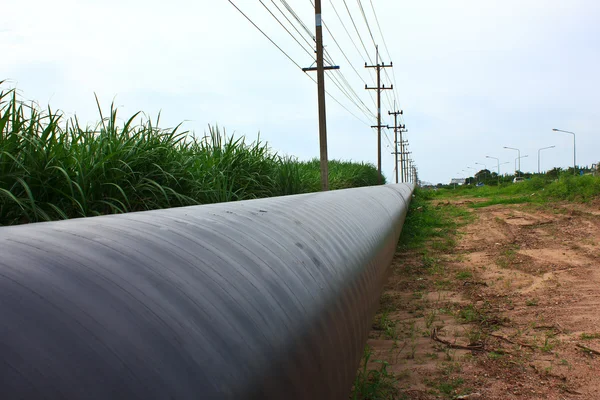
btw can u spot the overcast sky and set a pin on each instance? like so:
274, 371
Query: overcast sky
471, 76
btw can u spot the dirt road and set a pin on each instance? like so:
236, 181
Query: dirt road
506, 306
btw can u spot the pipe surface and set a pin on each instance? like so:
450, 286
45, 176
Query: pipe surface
259, 299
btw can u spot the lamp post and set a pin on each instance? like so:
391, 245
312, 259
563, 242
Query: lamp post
497, 161
507, 162
574, 161
473, 170
543, 148
519, 158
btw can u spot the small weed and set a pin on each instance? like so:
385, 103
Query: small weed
443, 284
390, 333
376, 383
566, 363
449, 388
412, 333
531, 302
590, 336
449, 352
468, 314
495, 356
429, 318
464, 275
383, 323
548, 345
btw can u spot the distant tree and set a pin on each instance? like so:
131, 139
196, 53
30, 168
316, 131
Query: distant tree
482, 175
555, 172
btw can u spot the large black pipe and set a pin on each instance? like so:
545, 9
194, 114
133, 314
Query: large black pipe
260, 299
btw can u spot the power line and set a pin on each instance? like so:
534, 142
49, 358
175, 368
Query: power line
265, 35
347, 92
381, 32
350, 89
295, 16
286, 29
386, 48
356, 94
310, 45
348, 33
344, 91
357, 32
340, 104
351, 39
394, 80
347, 59
362, 10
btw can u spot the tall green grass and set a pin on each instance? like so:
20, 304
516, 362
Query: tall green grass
54, 168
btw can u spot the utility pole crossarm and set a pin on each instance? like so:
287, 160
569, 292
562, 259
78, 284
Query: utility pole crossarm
325, 68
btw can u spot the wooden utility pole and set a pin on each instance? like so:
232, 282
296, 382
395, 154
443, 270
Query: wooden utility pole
379, 88
407, 161
403, 154
395, 153
320, 68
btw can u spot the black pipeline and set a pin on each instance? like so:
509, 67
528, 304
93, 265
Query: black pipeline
260, 299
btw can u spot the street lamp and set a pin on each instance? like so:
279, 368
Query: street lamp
572, 133
498, 161
507, 162
473, 170
519, 158
543, 148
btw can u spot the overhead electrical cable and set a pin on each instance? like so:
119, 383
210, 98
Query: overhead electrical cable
348, 93
357, 32
347, 59
310, 45
265, 35
340, 104
287, 30
362, 10
348, 86
354, 44
356, 95
386, 49
295, 16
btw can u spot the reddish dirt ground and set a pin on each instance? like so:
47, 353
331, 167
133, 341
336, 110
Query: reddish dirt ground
511, 311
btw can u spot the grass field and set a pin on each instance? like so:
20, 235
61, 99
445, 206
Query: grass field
537, 189
53, 168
